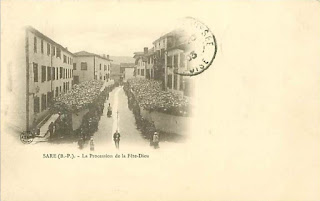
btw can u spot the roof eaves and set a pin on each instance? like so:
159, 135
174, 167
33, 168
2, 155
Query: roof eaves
35, 31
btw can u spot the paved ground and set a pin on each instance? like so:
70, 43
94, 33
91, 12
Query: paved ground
130, 135
131, 138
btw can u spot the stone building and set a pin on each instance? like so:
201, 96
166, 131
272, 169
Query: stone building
90, 66
48, 74
127, 70
140, 63
165, 60
144, 63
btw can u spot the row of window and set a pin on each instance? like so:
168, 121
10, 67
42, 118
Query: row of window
175, 59
150, 60
105, 67
157, 45
47, 99
105, 77
67, 60
175, 82
141, 63
84, 66
141, 72
51, 73
51, 50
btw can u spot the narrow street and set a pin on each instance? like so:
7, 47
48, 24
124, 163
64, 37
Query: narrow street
130, 135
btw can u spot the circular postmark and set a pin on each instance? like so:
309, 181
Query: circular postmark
199, 46
26, 137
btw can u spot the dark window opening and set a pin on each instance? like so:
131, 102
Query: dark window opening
35, 72
84, 66
43, 74
49, 73
36, 105
43, 102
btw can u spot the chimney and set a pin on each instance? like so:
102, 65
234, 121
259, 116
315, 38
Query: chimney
108, 56
145, 50
104, 56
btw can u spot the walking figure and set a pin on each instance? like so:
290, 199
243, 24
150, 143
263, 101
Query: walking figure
91, 144
156, 140
116, 138
109, 113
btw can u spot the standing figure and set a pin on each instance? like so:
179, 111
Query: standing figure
156, 140
91, 144
151, 139
50, 129
80, 143
116, 138
109, 113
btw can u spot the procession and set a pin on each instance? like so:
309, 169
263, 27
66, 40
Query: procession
97, 101
88, 133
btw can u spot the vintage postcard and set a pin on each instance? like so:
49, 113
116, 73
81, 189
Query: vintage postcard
160, 100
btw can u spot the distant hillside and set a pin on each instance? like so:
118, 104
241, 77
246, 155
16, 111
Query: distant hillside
115, 69
122, 59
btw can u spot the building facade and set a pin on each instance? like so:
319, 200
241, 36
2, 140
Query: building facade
150, 64
165, 60
115, 72
49, 74
89, 66
140, 64
127, 70
145, 63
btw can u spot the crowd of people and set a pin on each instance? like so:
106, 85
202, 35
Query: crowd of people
90, 121
87, 95
150, 96
146, 127
81, 96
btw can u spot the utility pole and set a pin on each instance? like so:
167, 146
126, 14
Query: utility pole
117, 120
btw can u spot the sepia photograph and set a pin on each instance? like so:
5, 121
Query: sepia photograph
160, 100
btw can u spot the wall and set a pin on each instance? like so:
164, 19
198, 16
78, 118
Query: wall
36, 89
160, 44
168, 123
141, 66
102, 74
84, 75
115, 72
128, 73
93, 68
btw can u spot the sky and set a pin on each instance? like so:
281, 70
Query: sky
113, 28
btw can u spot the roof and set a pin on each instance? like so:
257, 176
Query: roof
41, 35
175, 32
180, 46
89, 54
84, 53
163, 36
126, 65
115, 65
150, 52
138, 54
